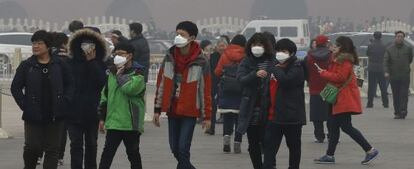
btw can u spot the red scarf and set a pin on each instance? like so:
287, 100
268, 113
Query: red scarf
274, 85
182, 61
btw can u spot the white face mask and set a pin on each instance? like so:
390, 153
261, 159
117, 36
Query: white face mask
282, 57
257, 51
119, 61
87, 47
180, 41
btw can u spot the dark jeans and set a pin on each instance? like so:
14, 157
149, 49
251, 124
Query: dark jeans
213, 115
230, 121
400, 90
344, 122
63, 141
83, 135
131, 141
255, 136
180, 131
319, 131
38, 138
273, 138
375, 79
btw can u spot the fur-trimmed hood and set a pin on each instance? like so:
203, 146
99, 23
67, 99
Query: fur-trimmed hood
75, 51
344, 57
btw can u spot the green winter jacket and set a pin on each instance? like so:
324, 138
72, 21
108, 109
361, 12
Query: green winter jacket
123, 98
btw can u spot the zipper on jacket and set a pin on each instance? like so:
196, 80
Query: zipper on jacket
130, 113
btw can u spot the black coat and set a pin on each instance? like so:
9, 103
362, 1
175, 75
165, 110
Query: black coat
26, 89
290, 97
141, 53
253, 88
214, 59
89, 78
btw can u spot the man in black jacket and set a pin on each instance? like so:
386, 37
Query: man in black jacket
88, 51
42, 88
375, 53
141, 48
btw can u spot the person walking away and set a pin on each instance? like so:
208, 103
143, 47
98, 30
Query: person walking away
321, 57
75, 25
141, 48
117, 37
230, 91
60, 49
87, 51
122, 107
43, 89
220, 46
286, 111
348, 101
375, 53
253, 75
397, 60
184, 92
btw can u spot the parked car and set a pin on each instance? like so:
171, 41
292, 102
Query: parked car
9, 42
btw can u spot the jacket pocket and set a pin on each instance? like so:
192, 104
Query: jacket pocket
188, 101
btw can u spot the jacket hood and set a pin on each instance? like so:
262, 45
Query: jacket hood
77, 38
234, 53
344, 57
321, 54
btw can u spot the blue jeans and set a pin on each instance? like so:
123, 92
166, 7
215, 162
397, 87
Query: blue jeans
180, 132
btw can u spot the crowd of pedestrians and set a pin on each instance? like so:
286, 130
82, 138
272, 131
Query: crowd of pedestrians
82, 87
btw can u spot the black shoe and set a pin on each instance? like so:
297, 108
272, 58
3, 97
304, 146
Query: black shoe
370, 105
226, 149
318, 140
220, 120
386, 106
209, 132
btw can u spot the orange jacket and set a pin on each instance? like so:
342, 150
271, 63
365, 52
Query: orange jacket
194, 93
233, 54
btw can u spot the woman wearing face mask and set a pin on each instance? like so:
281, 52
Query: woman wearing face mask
253, 76
348, 101
286, 112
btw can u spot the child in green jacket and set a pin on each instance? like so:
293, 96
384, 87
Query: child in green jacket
122, 108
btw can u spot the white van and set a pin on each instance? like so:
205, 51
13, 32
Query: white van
295, 30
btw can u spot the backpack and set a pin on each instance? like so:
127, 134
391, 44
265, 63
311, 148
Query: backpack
228, 81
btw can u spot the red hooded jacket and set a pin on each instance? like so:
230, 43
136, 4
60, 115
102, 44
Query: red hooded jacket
233, 54
348, 99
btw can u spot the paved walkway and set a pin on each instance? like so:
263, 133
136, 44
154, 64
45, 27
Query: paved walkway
394, 138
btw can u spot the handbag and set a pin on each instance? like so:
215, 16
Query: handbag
330, 92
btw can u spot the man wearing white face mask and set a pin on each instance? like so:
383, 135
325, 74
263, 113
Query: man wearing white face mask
122, 108
183, 92
286, 112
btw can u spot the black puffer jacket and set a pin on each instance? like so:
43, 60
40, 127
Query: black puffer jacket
290, 97
27, 89
90, 77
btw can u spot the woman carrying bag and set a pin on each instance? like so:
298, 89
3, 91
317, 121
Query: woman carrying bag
345, 98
